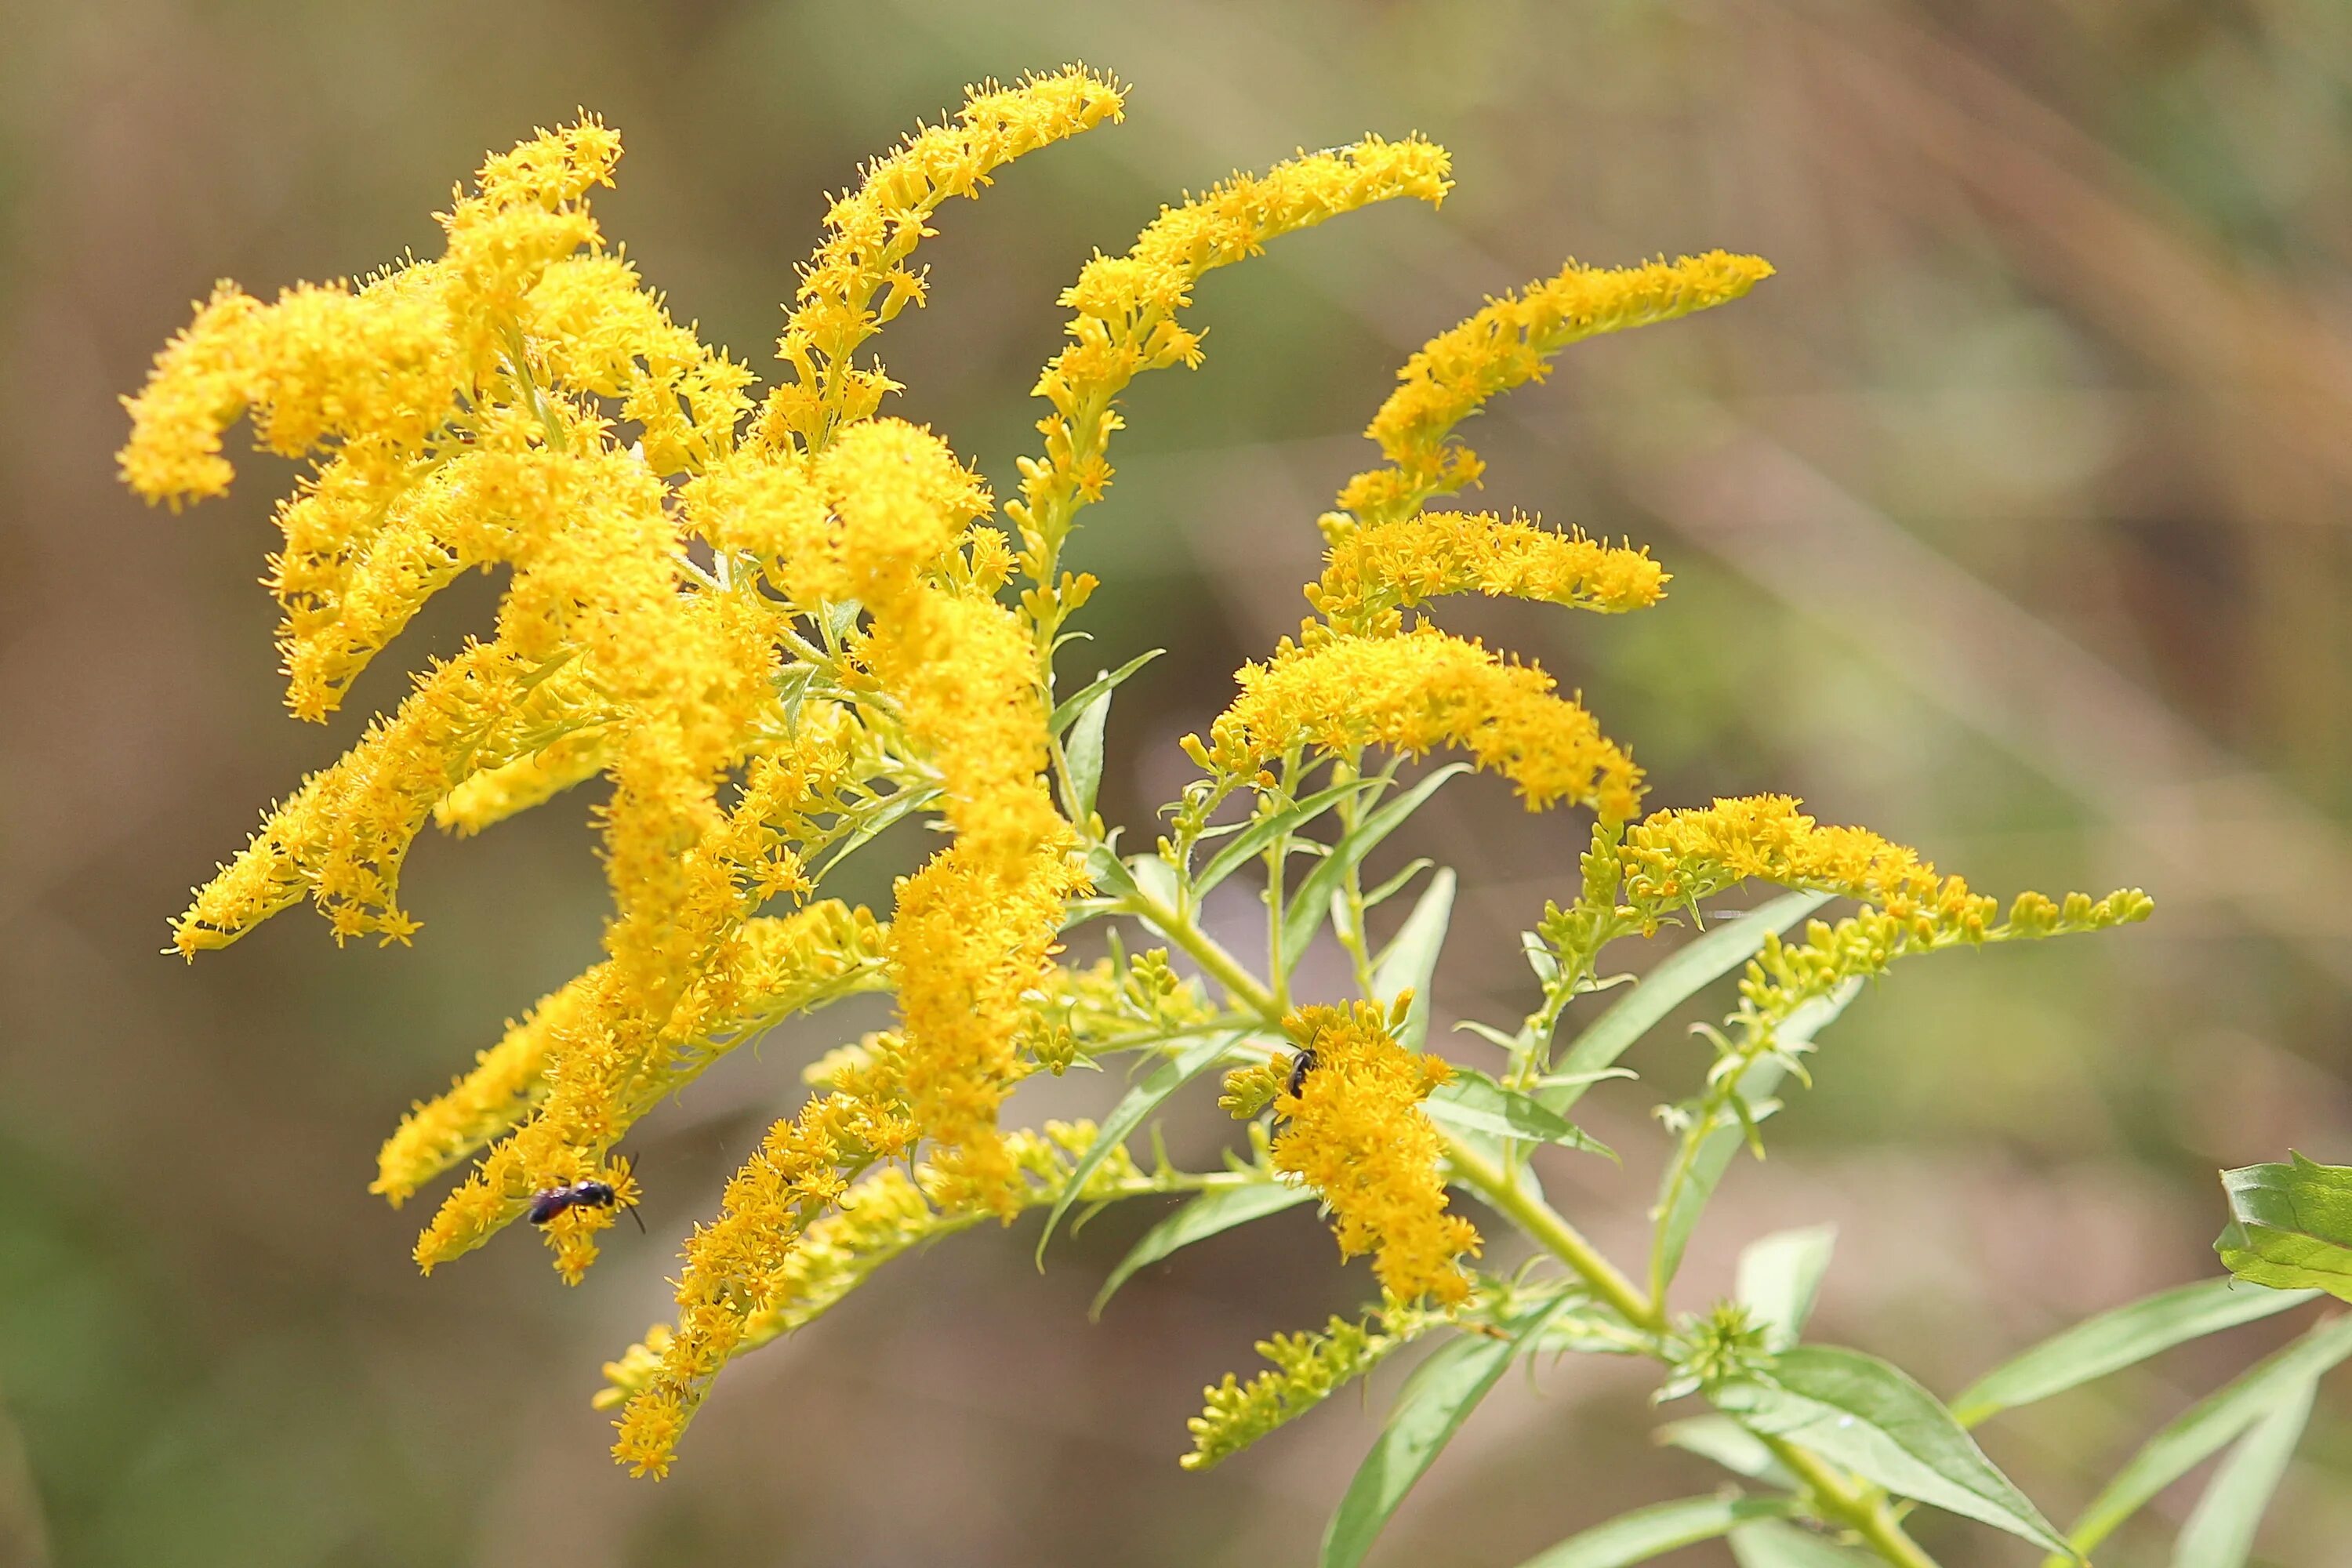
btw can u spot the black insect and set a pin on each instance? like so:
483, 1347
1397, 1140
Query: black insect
1300, 1065
586, 1194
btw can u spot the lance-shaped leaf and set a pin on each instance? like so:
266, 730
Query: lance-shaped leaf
1860, 1412
1730, 1445
1690, 1181
2290, 1225
2221, 1532
1411, 958
1652, 1532
1304, 914
1475, 1102
1779, 1275
1687, 971
1769, 1545
1261, 832
1081, 756
872, 820
1218, 1209
1099, 687
2117, 1339
1435, 1400
1128, 1114
2209, 1426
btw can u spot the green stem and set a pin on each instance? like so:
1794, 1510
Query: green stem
1867, 1515
1562, 1240
1197, 945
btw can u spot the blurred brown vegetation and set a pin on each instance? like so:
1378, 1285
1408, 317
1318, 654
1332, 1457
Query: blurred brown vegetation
2010, 518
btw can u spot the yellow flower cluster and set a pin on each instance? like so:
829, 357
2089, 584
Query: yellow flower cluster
1671, 858
970, 947
1359, 678
1356, 1133
1415, 692
1126, 322
470, 411
775, 966
871, 232
1377, 570
1309, 1368
742, 1290
1506, 345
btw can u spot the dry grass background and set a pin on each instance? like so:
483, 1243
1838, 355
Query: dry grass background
2009, 520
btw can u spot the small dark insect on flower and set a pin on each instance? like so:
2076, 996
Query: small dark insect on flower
1300, 1065
585, 1194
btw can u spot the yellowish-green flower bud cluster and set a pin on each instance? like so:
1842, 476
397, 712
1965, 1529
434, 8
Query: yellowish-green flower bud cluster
1309, 1368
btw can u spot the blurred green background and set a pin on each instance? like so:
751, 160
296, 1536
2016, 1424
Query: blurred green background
2009, 520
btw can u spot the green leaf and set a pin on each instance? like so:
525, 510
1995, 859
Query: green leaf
1128, 1115
2211, 1425
1154, 878
1262, 831
2290, 1225
1082, 757
1773, 1545
1652, 1531
1779, 1275
2221, 1532
1217, 1209
1100, 685
892, 809
1682, 1197
1306, 910
1435, 1400
1690, 968
2116, 1339
1730, 1445
1411, 958
1477, 1102
1860, 1412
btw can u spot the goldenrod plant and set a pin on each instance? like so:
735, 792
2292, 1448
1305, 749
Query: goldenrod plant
778, 622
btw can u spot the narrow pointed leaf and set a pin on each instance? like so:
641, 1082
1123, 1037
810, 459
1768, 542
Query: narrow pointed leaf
1218, 1209
2290, 1225
1477, 1102
1771, 1545
1082, 757
1652, 1532
1435, 1400
2221, 1532
1779, 1275
1729, 1444
2209, 1426
891, 810
1691, 967
2117, 1339
1684, 1196
1155, 878
1262, 831
1304, 913
1128, 1114
1412, 959
1870, 1416
1076, 704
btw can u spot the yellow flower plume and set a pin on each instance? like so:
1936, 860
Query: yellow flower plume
1506, 345
1411, 694
1126, 322
1374, 572
871, 232
1356, 1133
